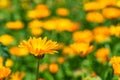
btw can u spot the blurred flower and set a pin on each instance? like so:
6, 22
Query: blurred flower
50, 24
36, 31
15, 25
90, 6
68, 51
41, 11
4, 3
17, 76
4, 72
115, 30
82, 48
1, 61
118, 3
101, 34
62, 11
111, 12
39, 46
9, 63
83, 36
95, 17
43, 67
35, 24
6, 39
102, 54
40, 79
18, 51
61, 60
53, 68
115, 61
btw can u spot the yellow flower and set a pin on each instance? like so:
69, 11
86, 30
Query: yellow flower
115, 61
15, 25
115, 30
36, 31
35, 24
17, 76
95, 17
39, 46
101, 34
62, 11
83, 36
18, 51
82, 48
4, 3
1, 61
4, 72
6, 39
102, 54
68, 51
53, 68
9, 63
111, 12
91, 6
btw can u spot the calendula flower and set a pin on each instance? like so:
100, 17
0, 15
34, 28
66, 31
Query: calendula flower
61, 60
115, 30
68, 51
82, 48
17, 51
39, 46
15, 25
53, 68
101, 34
4, 72
95, 17
83, 36
17, 76
6, 39
9, 63
115, 61
43, 67
102, 54
111, 12
62, 11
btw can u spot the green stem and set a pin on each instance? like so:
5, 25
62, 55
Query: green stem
37, 72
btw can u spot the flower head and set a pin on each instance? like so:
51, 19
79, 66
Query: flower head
4, 72
39, 46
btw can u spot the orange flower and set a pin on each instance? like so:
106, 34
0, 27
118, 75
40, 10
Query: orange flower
101, 34
95, 17
53, 68
36, 31
115, 61
90, 6
4, 72
18, 51
115, 30
83, 36
81, 48
61, 60
39, 46
68, 51
62, 12
15, 25
17, 76
102, 54
43, 67
6, 39
111, 12
9, 63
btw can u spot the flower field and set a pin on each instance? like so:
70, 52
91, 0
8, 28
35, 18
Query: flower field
59, 39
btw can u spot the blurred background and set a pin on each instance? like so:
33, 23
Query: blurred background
88, 32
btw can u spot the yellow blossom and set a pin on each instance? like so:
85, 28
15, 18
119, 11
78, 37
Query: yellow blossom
17, 76
95, 17
4, 72
15, 25
6, 39
36, 31
9, 63
18, 51
39, 46
83, 36
53, 68
82, 48
62, 11
101, 34
115, 61
68, 51
111, 12
115, 30
102, 54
